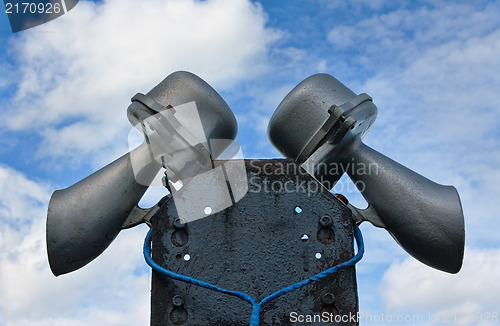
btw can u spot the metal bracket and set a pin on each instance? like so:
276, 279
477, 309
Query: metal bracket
369, 214
286, 228
140, 215
341, 119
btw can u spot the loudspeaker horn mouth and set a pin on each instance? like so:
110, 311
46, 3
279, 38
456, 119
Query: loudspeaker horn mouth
425, 218
321, 123
83, 219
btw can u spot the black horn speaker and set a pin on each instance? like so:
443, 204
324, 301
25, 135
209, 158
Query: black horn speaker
84, 218
321, 123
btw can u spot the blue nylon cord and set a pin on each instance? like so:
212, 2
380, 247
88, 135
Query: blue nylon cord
255, 314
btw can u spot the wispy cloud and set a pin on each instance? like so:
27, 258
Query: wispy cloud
31, 295
75, 82
411, 287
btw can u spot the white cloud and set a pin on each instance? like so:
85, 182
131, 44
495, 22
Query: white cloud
20, 198
76, 80
402, 34
431, 69
112, 290
357, 6
411, 286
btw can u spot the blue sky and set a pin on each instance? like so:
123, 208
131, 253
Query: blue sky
432, 68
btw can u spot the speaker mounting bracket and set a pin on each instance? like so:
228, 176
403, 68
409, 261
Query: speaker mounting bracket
140, 215
368, 214
274, 236
355, 116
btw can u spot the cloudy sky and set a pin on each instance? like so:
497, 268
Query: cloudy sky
432, 68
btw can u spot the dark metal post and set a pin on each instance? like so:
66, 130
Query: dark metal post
287, 228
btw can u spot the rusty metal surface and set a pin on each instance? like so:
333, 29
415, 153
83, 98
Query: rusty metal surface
266, 241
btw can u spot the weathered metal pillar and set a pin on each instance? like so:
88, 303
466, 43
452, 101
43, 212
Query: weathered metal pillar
287, 228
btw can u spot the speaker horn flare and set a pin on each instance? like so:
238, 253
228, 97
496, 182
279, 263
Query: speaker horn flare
85, 218
321, 123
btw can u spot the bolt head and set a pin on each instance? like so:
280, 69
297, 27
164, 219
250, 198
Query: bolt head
328, 298
179, 224
178, 300
325, 220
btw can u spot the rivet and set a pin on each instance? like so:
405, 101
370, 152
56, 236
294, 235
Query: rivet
325, 220
178, 300
328, 298
179, 224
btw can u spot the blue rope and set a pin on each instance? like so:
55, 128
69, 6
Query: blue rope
256, 306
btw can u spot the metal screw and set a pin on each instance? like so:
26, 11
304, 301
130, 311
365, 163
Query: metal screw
325, 220
178, 300
179, 224
328, 298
